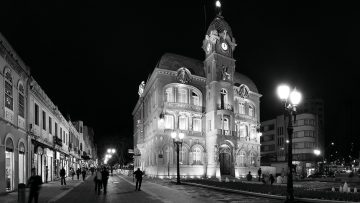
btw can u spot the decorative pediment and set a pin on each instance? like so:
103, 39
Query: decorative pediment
183, 75
242, 91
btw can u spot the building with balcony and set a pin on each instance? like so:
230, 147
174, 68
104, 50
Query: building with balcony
14, 156
217, 108
33, 132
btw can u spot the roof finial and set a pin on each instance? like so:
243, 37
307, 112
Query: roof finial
218, 7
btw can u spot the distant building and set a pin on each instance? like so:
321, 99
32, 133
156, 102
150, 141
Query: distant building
305, 141
215, 107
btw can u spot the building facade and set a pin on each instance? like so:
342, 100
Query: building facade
215, 107
33, 132
305, 141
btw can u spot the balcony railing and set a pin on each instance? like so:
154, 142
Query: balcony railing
185, 106
225, 107
226, 132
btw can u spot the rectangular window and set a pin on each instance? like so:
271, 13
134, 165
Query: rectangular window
169, 122
251, 111
61, 136
21, 106
182, 95
44, 120
36, 114
196, 99
56, 131
197, 124
209, 125
183, 123
169, 94
50, 125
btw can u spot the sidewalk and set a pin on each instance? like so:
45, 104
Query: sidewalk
49, 192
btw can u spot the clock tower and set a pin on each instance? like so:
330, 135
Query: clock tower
219, 66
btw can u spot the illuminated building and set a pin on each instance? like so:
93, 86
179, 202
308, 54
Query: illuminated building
217, 108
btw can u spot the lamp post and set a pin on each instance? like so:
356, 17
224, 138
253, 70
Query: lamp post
317, 152
178, 140
290, 100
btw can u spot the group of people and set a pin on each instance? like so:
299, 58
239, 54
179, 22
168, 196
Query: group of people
265, 178
101, 179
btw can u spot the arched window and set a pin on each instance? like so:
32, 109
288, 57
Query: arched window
197, 124
21, 100
183, 156
9, 164
183, 122
197, 155
226, 123
182, 95
22, 163
252, 159
241, 108
169, 122
251, 111
240, 158
196, 99
169, 95
223, 99
8, 89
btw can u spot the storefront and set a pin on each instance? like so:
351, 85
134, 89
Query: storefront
49, 165
39, 162
22, 163
9, 165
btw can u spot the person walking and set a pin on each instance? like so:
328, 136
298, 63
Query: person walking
62, 176
72, 173
34, 183
105, 177
98, 180
92, 170
78, 171
259, 174
83, 174
138, 175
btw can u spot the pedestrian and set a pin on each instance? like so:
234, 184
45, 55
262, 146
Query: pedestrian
92, 170
62, 176
46, 174
111, 168
272, 179
249, 176
83, 174
78, 171
138, 176
98, 180
105, 177
34, 183
72, 173
259, 174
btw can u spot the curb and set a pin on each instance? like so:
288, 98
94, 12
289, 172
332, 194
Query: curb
263, 195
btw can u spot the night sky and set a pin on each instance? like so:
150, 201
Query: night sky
90, 56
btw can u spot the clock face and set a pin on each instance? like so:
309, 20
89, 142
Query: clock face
208, 47
224, 46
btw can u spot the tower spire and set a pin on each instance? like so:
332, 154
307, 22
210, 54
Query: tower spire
218, 7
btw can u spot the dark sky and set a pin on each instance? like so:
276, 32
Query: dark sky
90, 56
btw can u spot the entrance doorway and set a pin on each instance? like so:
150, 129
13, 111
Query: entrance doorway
225, 160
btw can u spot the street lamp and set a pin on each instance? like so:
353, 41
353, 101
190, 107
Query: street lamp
178, 140
317, 152
290, 100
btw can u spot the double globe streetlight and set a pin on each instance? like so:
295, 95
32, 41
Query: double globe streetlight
109, 154
290, 98
178, 140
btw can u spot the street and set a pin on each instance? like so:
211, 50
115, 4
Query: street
121, 188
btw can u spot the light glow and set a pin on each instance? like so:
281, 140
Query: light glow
173, 135
283, 92
218, 4
295, 97
181, 135
317, 152
109, 151
113, 151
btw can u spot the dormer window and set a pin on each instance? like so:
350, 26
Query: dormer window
182, 95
